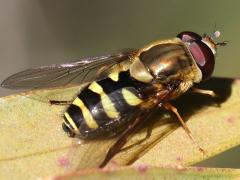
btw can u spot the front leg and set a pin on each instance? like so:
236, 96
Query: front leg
124, 137
204, 92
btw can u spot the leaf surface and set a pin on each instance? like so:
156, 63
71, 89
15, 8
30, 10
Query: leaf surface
145, 172
33, 143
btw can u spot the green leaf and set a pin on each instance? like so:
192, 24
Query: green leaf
214, 126
146, 172
33, 144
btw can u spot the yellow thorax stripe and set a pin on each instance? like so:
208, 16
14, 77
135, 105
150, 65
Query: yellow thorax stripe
107, 104
90, 121
130, 98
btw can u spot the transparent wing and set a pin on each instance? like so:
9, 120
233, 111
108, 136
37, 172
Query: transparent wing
77, 72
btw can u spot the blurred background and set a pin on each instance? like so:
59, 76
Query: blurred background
41, 32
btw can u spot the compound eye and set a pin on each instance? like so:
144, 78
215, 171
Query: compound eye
188, 36
204, 58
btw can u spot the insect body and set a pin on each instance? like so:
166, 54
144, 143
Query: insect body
127, 86
168, 68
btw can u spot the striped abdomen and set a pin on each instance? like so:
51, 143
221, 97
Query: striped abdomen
104, 107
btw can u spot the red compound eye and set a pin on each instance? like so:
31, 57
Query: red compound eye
189, 36
201, 53
203, 57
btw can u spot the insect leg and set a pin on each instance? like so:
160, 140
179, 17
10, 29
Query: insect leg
170, 107
148, 134
117, 146
64, 103
203, 91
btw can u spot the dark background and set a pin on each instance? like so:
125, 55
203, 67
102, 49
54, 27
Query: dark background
40, 32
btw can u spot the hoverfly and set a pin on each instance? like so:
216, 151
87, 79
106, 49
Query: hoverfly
123, 88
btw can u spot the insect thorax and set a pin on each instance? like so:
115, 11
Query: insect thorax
166, 63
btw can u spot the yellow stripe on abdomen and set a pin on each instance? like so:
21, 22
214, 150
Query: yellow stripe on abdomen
114, 76
130, 98
107, 104
71, 122
90, 121
95, 87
